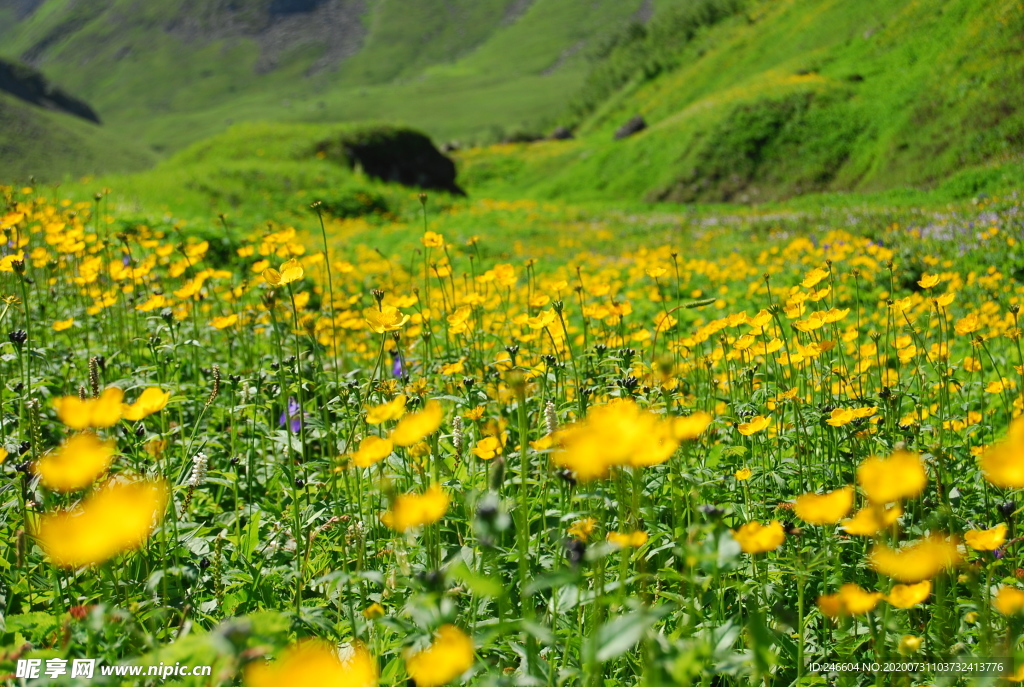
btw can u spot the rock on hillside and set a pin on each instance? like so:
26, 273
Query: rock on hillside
394, 154
31, 86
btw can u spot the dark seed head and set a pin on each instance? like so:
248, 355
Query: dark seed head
574, 551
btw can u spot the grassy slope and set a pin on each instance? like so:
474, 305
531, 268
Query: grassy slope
797, 97
476, 71
53, 146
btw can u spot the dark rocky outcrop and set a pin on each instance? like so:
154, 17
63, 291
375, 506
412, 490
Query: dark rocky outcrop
631, 127
394, 154
31, 86
561, 133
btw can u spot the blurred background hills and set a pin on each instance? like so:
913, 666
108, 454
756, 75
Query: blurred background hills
730, 100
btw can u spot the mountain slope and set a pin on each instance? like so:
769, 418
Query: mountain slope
172, 73
795, 96
52, 146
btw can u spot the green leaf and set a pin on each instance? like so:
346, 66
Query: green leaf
479, 585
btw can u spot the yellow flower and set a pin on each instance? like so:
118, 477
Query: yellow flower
104, 411
919, 561
619, 433
743, 474
412, 428
374, 610
626, 540
487, 448
387, 319
900, 476
755, 425
909, 644
840, 417
432, 239
858, 601
312, 662
1003, 463
291, 271
754, 537
690, 426
79, 462
3, 455
372, 449
812, 278
453, 368
909, 595
150, 401
116, 518
392, 410
867, 522
967, 325
986, 540
61, 325
224, 322
824, 509
416, 510
582, 529
448, 657
1009, 600
927, 281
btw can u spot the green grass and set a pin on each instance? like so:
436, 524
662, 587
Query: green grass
791, 98
54, 147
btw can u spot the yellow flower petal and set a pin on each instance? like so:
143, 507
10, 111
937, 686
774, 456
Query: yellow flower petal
118, 517
79, 462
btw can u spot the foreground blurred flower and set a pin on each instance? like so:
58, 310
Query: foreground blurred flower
900, 476
850, 600
1003, 463
416, 510
619, 433
625, 540
387, 319
150, 401
116, 518
909, 644
1009, 600
448, 657
691, 426
372, 450
100, 412
909, 595
76, 464
412, 428
919, 561
986, 540
824, 509
317, 663
869, 521
392, 410
757, 538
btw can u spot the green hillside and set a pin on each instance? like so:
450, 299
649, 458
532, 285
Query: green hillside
172, 73
52, 146
790, 97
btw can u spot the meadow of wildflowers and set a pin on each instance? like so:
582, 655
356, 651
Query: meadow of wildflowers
720, 453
